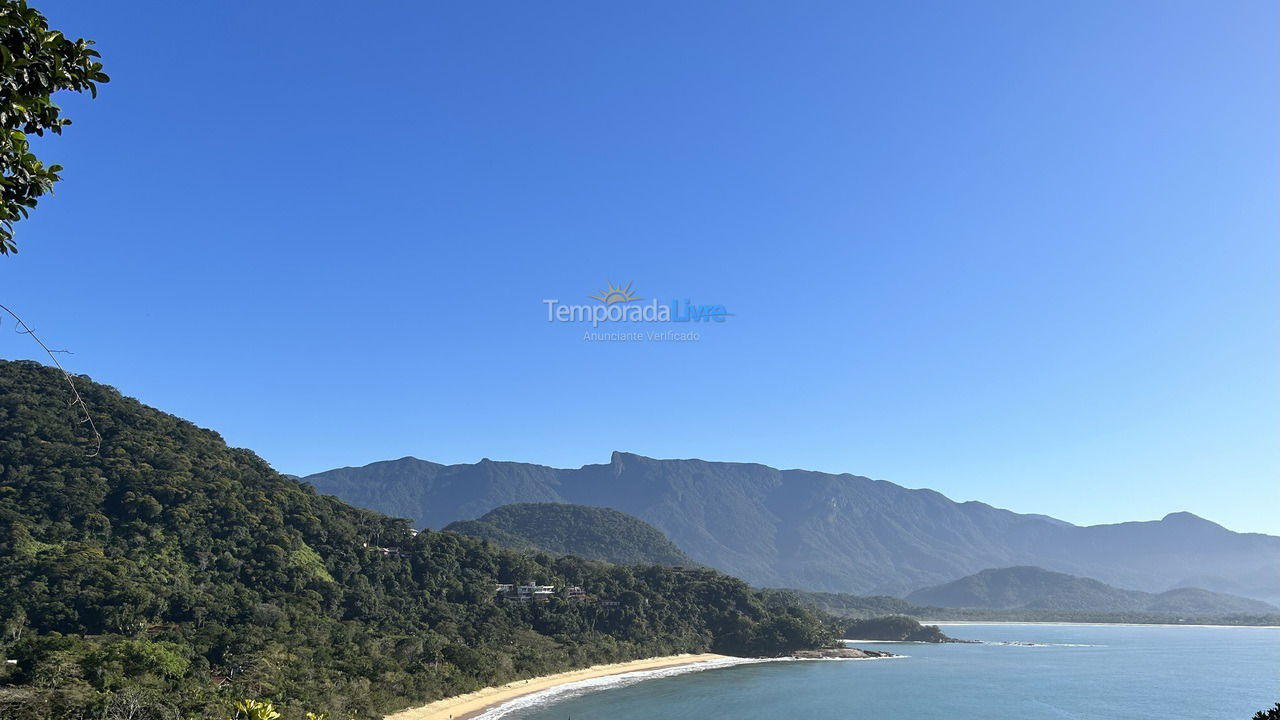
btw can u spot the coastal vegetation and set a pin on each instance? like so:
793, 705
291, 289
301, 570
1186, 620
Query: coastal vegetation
894, 627
587, 532
844, 605
171, 576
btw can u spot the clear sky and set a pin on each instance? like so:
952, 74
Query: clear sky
1019, 252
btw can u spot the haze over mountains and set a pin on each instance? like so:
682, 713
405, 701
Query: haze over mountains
611, 536
1033, 588
818, 531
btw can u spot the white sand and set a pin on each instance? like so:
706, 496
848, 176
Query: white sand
460, 707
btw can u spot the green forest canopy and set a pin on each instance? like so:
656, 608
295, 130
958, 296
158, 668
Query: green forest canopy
562, 529
173, 573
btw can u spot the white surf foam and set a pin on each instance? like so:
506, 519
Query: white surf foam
608, 682
855, 641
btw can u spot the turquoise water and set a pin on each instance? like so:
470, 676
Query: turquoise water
1071, 671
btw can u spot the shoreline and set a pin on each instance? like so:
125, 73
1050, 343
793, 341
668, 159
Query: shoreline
1091, 624
470, 705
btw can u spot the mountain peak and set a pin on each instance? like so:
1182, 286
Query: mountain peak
619, 460
1186, 519
406, 461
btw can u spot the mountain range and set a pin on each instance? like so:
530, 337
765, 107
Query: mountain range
608, 535
819, 531
1033, 588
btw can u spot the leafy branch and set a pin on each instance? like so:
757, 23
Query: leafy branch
35, 63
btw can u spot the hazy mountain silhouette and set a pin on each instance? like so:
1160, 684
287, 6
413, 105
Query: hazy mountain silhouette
812, 530
1034, 588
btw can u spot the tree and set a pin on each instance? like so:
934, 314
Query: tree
35, 63
256, 710
1269, 714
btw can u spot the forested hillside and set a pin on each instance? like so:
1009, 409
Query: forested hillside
588, 532
170, 575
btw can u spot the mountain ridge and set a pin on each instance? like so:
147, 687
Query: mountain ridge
819, 531
1033, 588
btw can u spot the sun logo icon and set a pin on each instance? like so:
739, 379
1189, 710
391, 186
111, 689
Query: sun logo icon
617, 294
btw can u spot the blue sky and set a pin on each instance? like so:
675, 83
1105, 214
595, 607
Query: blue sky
1024, 253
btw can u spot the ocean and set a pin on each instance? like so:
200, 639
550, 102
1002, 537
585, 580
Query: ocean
1020, 671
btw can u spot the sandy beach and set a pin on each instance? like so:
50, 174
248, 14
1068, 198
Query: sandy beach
461, 707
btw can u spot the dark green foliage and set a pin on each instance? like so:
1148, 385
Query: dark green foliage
588, 532
1269, 714
35, 63
848, 606
170, 564
894, 627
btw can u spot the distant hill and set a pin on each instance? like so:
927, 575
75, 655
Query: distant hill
587, 532
811, 530
1033, 588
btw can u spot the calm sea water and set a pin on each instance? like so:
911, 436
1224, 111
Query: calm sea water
1062, 671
